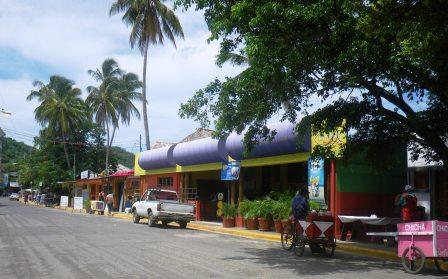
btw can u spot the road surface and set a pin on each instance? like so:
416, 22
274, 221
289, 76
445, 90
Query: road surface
48, 243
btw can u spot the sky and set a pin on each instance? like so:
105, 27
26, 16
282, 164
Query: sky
40, 38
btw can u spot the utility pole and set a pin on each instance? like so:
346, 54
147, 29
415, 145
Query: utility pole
2, 134
74, 166
140, 142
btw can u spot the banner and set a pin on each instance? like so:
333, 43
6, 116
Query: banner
316, 179
78, 203
230, 170
64, 201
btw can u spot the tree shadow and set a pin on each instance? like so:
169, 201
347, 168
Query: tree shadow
319, 265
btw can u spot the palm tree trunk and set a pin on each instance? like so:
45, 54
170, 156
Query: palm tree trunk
106, 170
66, 153
145, 113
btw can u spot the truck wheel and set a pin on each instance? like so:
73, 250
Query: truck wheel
183, 224
151, 220
135, 217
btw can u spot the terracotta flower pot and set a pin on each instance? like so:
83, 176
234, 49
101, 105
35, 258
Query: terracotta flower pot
278, 226
271, 223
251, 224
228, 222
239, 221
263, 224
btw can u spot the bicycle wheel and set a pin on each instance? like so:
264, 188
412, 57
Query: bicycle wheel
442, 265
413, 260
329, 247
299, 248
287, 240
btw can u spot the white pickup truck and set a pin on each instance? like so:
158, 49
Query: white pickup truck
162, 205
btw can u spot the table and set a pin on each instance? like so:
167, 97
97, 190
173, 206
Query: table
368, 220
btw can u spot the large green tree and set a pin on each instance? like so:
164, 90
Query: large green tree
379, 65
61, 109
112, 101
151, 21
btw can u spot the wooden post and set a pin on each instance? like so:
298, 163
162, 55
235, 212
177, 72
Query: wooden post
232, 192
240, 187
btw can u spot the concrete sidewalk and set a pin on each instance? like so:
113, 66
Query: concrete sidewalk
366, 249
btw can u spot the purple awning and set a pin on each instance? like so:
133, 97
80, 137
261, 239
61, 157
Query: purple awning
284, 142
157, 158
201, 151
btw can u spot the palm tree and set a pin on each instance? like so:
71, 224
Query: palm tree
111, 101
61, 108
151, 21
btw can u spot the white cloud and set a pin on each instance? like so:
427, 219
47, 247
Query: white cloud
74, 36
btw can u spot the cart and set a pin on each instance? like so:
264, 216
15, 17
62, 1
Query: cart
317, 232
418, 241
97, 206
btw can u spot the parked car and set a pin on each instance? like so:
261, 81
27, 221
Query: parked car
14, 196
164, 206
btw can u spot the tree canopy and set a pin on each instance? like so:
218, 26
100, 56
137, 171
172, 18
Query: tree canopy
151, 22
379, 66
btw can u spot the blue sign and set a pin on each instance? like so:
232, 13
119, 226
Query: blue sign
230, 170
316, 179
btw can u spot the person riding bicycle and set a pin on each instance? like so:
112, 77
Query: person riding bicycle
300, 205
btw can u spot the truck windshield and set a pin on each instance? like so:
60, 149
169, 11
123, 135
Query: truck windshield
168, 196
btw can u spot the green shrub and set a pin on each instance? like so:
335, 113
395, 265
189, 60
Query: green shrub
244, 207
286, 210
254, 210
229, 210
266, 208
86, 204
314, 205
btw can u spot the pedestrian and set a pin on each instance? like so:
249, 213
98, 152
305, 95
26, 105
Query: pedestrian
300, 205
407, 201
109, 203
25, 198
101, 199
128, 205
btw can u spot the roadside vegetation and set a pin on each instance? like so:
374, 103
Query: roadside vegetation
78, 134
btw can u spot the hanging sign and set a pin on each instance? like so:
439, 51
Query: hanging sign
230, 170
316, 182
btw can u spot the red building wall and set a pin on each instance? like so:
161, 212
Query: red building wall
150, 181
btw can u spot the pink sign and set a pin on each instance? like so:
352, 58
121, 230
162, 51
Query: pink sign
430, 236
442, 239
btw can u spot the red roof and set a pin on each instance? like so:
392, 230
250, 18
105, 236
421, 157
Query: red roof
123, 173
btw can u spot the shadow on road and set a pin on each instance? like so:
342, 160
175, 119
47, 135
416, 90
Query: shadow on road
168, 227
306, 265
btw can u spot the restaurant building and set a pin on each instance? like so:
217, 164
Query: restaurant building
193, 169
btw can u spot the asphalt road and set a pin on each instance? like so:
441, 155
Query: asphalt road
48, 243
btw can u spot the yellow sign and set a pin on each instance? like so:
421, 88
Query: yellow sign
335, 140
137, 169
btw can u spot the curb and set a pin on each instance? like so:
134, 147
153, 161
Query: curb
352, 248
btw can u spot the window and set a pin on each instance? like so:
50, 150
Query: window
162, 195
165, 181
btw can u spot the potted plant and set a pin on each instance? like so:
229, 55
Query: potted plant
86, 205
278, 207
252, 215
243, 208
228, 215
285, 213
264, 215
